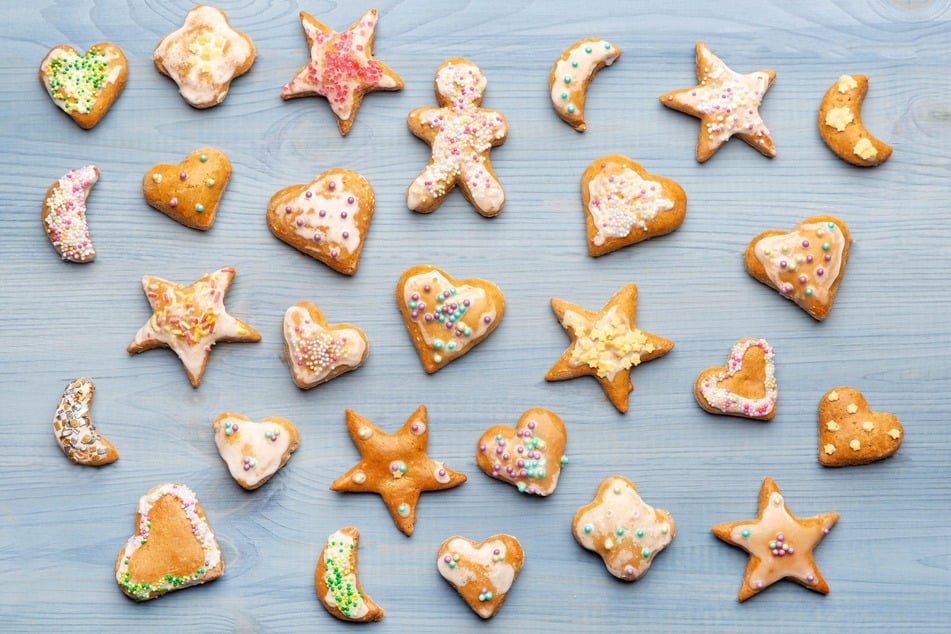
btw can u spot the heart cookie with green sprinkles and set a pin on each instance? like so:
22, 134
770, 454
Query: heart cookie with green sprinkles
336, 582
84, 86
189, 192
530, 456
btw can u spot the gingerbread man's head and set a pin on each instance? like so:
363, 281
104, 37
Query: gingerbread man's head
459, 85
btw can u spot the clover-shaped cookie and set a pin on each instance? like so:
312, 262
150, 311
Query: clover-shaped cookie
84, 86
530, 456
482, 573
64, 214
745, 387
316, 351
850, 433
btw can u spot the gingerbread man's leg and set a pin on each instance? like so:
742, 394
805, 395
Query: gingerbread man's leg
429, 189
482, 187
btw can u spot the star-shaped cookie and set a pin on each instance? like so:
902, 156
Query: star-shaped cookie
190, 320
341, 67
395, 466
780, 544
727, 104
606, 344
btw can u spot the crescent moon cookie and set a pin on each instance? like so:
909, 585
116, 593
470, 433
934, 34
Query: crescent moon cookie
341, 67
254, 450
623, 204
74, 430
190, 320
84, 86
482, 573
780, 544
461, 134
316, 351
327, 219
624, 530
445, 317
64, 214
530, 456
606, 345
573, 71
190, 191
805, 265
745, 387
204, 56
852, 434
841, 127
336, 582
173, 546
727, 104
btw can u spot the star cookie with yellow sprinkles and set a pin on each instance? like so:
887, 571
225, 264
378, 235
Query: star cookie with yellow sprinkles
606, 345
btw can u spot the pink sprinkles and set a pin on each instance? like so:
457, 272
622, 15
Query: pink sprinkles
65, 220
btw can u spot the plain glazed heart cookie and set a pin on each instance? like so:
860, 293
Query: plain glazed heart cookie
852, 434
841, 127
327, 219
190, 191
530, 456
481, 573
573, 71
254, 450
84, 86
64, 214
623, 204
745, 387
74, 430
445, 317
336, 582
805, 265
173, 546
316, 351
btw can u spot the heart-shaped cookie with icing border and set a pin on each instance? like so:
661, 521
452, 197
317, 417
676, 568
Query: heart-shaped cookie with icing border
530, 456
805, 265
189, 192
173, 546
326, 219
481, 573
446, 317
852, 434
316, 351
254, 450
623, 204
84, 86
745, 386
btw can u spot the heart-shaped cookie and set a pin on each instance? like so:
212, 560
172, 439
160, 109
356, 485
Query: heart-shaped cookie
74, 429
805, 265
317, 351
84, 86
327, 218
529, 456
481, 573
190, 191
852, 434
254, 451
745, 387
623, 204
173, 546
445, 317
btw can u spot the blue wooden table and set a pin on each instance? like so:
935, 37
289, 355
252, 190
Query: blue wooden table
888, 561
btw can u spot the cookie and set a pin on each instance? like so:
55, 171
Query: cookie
190, 320
336, 582
316, 351
64, 214
841, 127
573, 71
529, 456
461, 134
190, 191
745, 386
780, 545
327, 219
805, 265
395, 466
481, 573
623, 204
204, 56
84, 86
445, 317
727, 104
623, 529
254, 450
173, 546
74, 430
852, 434
606, 345
341, 67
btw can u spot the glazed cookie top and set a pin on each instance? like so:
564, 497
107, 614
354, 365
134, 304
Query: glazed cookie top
64, 217
317, 350
79, 83
571, 74
717, 394
621, 200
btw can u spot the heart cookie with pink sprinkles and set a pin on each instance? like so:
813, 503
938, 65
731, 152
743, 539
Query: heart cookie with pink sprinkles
530, 456
316, 351
745, 387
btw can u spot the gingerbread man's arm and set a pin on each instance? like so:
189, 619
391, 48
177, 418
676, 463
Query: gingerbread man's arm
416, 120
497, 123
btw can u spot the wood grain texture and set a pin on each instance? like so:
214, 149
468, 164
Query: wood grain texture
888, 561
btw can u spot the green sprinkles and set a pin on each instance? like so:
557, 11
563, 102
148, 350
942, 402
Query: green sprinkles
338, 575
77, 82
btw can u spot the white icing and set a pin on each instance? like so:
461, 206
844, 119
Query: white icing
250, 441
73, 91
340, 208
498, 573
346, 345
601, 52
65, 217
732, 402
773, 251
620, 201
339, 553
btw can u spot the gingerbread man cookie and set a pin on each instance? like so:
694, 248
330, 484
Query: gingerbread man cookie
85, 86
64, 214
461, 134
